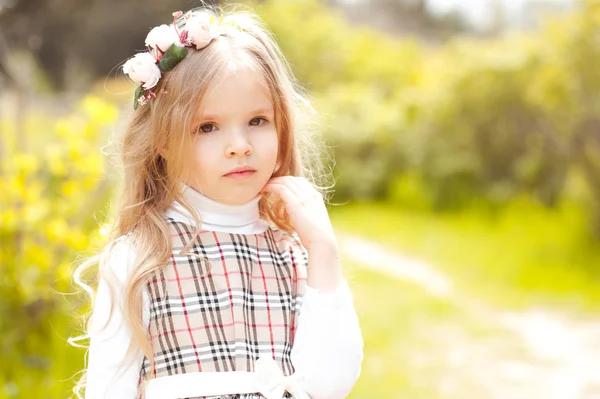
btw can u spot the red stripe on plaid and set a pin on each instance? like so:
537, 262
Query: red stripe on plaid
293, 328
150, 329
266, 299
226, 274
187, 320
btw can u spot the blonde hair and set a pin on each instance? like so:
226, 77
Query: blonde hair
150, 183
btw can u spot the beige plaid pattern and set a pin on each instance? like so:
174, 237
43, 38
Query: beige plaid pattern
228, 300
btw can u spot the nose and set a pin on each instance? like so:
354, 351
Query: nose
238, 143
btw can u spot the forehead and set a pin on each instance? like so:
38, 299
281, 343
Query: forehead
235, 91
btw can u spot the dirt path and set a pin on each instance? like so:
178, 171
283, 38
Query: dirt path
490, 352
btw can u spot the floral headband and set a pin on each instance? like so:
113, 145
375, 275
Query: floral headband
166, 46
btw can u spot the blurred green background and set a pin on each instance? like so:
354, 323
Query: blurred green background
465, 141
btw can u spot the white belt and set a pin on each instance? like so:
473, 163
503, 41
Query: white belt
267, 378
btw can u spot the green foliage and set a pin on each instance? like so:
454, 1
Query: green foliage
50, 191
353, 73
486, 119
172, 57
136, 96
522, 255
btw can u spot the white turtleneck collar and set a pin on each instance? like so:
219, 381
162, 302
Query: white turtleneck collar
216, 216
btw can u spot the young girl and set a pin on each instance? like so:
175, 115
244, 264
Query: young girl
223, 276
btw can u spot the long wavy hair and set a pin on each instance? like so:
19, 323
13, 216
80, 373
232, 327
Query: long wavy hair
150, 184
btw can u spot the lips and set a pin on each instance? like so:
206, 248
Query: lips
241, 170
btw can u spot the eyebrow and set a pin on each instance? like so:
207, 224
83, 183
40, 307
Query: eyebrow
254, 112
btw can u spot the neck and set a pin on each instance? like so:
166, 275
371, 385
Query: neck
218, 216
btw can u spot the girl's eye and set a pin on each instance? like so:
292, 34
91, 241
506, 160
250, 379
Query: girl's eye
207, 128
257, 121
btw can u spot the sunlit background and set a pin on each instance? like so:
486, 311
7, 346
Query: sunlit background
466, 140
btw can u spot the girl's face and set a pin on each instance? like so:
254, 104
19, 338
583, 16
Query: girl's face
234, 126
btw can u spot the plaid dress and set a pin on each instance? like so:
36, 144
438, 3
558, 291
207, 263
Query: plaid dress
229, 299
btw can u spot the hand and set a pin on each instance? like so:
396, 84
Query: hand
306, 209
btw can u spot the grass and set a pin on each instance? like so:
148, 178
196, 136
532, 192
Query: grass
418, 346
525, 255
391, 315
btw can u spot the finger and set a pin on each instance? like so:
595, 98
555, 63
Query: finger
293, 186
307, 185
280, 179
307, 188
296, 183
290, 200
297, 189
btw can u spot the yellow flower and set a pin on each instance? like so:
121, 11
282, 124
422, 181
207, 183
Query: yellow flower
8, 220
68, 188
35, 212
57, 230
54, 157
63, 270
26, 163
76, 240
69, 127
33, 191
99, 111
92, 164
39, 256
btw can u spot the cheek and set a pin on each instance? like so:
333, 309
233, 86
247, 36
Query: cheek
202, 157
271, 146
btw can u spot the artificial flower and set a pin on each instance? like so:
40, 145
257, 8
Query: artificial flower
142, 68
162, 37
200, 31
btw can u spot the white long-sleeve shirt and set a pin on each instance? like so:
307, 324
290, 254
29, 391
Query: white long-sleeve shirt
327, 351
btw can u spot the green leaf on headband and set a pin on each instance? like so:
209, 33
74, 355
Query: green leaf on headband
171, 57
136, 96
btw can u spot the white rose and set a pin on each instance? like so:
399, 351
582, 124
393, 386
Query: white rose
162, 37
142, 68
200, 32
